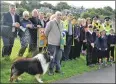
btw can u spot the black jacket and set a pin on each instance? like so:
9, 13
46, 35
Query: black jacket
89, 37
111, 39
7, 21
101, 43
82, 34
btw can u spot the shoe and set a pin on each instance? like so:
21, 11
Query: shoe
50, 73
60, 72
91, 65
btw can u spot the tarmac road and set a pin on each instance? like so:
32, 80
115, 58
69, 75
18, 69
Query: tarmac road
104, 75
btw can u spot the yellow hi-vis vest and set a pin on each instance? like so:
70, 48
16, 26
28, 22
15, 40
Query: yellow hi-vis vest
65, 24
98, 26
107, 27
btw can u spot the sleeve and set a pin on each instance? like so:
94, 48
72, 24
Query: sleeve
18, 19
48, 28
34, 24
5, 18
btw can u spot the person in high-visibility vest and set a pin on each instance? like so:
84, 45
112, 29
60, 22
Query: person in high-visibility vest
68, 28
97, 24
107, 24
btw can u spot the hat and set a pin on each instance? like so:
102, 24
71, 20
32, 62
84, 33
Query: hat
107, 18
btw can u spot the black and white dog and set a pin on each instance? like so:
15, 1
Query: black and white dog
37, 66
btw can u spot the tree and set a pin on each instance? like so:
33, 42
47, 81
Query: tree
62, 5
20, 11
85, 15
48, 5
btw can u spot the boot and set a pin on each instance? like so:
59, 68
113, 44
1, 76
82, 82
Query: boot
21, 51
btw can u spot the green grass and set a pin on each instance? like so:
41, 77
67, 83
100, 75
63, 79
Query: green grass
69, 68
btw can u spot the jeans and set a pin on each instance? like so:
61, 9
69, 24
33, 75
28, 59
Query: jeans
56, 52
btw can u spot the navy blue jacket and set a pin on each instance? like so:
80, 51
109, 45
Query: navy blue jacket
76, 31
101, 43
23, 24
82, 33
111, 39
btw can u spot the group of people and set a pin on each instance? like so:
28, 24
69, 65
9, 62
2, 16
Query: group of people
66, 35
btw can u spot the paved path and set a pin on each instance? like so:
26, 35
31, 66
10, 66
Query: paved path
104, 75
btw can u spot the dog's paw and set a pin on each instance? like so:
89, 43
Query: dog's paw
19, 78
40, 81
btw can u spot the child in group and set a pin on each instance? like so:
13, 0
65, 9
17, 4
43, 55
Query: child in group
96, 49
90, 45
102, 48
111, 44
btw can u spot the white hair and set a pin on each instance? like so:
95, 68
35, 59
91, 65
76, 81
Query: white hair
35, 10
58, 12
25, 13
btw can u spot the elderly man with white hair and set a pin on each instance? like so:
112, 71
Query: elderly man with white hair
53, 32
24, 32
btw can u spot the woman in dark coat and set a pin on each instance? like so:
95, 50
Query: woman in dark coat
77, 49
24, 34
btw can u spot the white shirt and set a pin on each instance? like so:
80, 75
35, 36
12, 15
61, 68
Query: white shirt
90, 31
42, 22
13, 19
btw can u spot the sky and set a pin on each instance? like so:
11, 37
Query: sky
86, 4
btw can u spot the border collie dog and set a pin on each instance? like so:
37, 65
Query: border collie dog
37, 66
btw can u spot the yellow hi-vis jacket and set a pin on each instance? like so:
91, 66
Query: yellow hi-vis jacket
98, 26
107, 27
65, 24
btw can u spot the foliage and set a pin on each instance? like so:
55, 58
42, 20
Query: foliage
61, 6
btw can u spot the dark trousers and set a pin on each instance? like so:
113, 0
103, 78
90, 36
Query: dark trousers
95, 55
7, 45
77, 49
32, 44
71, 54
89, 54
84, 46
67, 48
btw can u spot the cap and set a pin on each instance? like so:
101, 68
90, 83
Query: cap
95, 17
107, 18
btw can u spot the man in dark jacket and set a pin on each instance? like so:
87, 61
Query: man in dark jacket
11, 22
